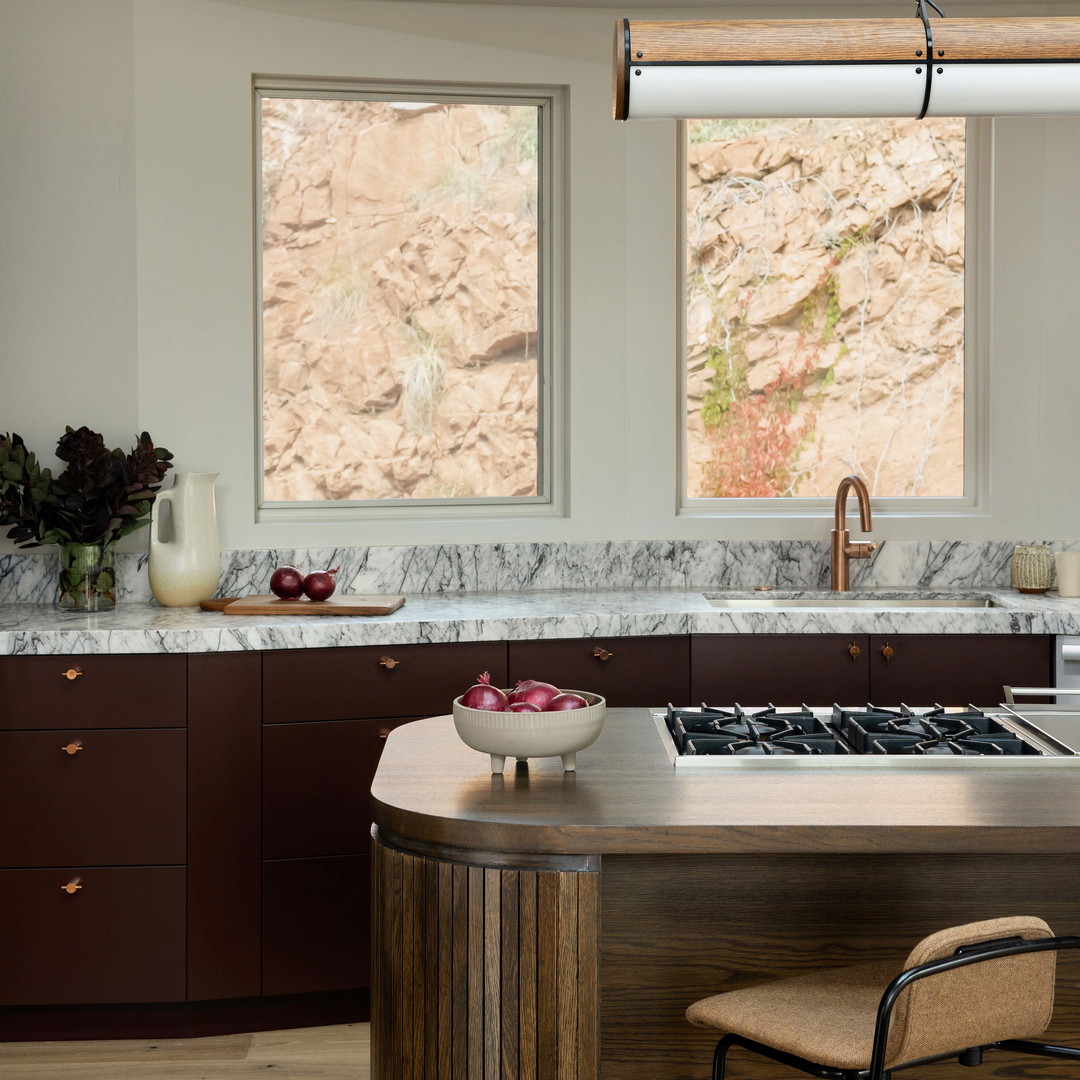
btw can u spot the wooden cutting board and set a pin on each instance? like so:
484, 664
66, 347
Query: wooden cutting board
336, 605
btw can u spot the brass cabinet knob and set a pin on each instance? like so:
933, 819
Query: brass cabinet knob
887, 651
853, 651
384, 735
72, 748
71, 887
601, 653
71, 673
389, 662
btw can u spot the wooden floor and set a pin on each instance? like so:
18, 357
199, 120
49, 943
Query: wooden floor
319, 1053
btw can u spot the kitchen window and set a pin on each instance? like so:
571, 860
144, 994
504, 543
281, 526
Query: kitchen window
405, 245
829, 285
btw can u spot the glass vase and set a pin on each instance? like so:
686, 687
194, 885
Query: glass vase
87, 577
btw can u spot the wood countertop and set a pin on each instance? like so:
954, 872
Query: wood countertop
433, 792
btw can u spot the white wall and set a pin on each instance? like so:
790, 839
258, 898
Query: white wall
67, 220
80, 285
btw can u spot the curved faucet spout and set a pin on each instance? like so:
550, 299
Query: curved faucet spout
862, 493
842, 548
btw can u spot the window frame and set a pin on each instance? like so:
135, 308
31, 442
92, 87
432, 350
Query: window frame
978, 247
552, 262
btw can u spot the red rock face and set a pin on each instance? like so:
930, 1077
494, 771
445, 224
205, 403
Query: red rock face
826, 303
399, 300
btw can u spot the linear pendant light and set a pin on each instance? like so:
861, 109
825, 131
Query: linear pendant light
847, 68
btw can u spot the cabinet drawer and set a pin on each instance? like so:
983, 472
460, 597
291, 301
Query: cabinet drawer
956, 669
317, 786
120, 938
316, 924
374, 681
784, 669
626, 671
92, 691
109, 798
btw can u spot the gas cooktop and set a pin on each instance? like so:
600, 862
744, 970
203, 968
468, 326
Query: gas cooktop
861, 735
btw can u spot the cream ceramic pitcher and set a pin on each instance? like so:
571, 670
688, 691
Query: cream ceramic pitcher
184, 570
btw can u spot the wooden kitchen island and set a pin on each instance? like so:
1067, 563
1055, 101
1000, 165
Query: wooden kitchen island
556, 925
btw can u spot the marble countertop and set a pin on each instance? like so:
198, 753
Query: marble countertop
40, 629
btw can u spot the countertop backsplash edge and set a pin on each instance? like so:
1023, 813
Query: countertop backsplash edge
31, 577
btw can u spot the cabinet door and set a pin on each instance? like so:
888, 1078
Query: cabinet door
96, 691
317, 786
626, 671
316, 924
118, 938
784, 669
955, 669
106, 798
374, 681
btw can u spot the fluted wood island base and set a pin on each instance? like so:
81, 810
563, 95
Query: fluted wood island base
556, 925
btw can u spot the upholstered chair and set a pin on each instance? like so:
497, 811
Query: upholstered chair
962, 991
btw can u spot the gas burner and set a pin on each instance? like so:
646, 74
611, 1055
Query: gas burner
764, 732
937, 731
866, 718
765, 725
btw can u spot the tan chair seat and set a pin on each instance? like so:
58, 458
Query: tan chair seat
826, 1016
829, 1016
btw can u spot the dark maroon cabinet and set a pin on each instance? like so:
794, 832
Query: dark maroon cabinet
628, 672
316, 924
959, 669
50, 692
316, 786
117, 937
374, 681
785, 669
105, 798
819, 669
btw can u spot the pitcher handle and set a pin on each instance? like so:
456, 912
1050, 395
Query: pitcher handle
155, 517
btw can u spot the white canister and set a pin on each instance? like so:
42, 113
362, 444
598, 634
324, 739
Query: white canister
184, 570
1068, 573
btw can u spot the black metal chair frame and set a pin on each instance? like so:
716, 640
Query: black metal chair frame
971, 1056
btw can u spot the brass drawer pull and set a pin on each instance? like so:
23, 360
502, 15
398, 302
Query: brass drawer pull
853, 651
384, 735
601, 653
71, 673
72, 748
389, 662
71, 887
887, 651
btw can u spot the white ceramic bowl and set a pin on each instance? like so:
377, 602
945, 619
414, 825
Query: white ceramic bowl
531, 734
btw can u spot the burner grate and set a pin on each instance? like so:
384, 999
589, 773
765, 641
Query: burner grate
868, 730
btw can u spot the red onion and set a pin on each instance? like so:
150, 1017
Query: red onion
538, 693
482, 695
287, 583
320, 585
562, 702
523, 706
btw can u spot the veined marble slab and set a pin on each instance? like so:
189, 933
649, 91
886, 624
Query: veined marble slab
31, 577
40, 629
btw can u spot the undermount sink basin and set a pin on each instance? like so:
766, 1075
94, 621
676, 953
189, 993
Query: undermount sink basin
844, 600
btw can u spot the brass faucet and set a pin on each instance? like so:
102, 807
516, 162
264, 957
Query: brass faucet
842, 548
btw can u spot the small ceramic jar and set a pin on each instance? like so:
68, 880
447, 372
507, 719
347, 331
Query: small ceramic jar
1032, 569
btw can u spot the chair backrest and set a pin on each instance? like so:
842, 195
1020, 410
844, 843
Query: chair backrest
1008, 998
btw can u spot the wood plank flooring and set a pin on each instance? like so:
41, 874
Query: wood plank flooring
319, 1053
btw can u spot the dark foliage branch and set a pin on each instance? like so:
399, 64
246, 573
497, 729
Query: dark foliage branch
100, 496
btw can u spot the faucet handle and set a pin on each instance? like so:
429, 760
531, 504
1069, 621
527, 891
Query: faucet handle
859, 550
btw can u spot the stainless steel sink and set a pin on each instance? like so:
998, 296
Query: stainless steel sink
842, 600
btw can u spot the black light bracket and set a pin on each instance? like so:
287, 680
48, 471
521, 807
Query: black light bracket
920, 10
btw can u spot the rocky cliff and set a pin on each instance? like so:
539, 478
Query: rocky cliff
826, 306
399, 299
